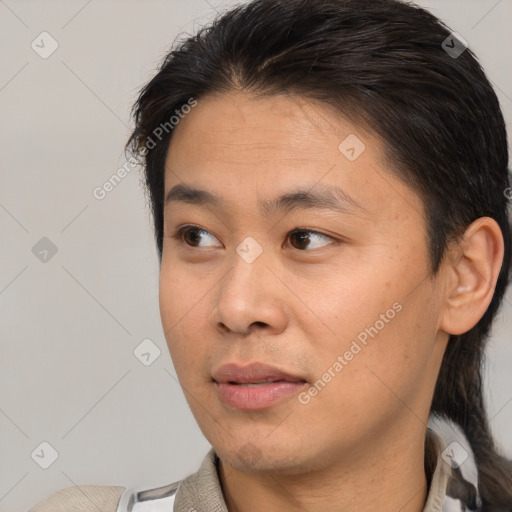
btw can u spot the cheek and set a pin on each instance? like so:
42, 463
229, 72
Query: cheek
382, 330
359, 305
176, 301
384, 364
169, 303
179, 292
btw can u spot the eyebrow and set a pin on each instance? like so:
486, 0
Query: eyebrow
322, 197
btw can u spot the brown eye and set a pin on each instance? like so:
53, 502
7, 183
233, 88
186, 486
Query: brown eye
299, 238
303, 237
191, 235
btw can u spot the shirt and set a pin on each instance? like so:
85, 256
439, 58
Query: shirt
450, 466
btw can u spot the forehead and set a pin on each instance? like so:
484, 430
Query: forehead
240, 145
247, 126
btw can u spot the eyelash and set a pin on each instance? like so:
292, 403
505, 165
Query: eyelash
178, 235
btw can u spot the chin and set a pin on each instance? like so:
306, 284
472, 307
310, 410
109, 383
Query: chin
261, 456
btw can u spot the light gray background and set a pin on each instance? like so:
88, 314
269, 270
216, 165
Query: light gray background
69, 326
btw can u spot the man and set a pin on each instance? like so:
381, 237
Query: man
328, 180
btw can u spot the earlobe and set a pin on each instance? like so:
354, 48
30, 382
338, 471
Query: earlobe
473, 276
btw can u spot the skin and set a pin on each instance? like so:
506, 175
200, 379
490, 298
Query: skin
359, 443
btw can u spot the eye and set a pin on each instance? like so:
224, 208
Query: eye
307, 236
191, 235
301, 239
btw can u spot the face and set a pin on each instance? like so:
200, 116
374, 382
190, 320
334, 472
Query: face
305, 254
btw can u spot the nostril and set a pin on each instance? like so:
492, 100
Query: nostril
260, 324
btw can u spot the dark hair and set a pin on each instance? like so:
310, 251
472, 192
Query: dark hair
381, 63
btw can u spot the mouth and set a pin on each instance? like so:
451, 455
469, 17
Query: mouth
258, 383
256, 386
254, 373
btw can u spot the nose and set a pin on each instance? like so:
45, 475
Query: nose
250, 298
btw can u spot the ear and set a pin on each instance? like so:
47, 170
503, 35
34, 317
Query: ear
474, 265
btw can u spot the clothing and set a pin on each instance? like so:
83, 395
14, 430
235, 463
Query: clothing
453, 484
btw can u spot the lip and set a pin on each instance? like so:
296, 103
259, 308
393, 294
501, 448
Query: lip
237, 385
251, 373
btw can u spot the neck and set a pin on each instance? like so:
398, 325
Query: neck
389, 477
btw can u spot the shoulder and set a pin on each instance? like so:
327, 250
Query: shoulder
81, 498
